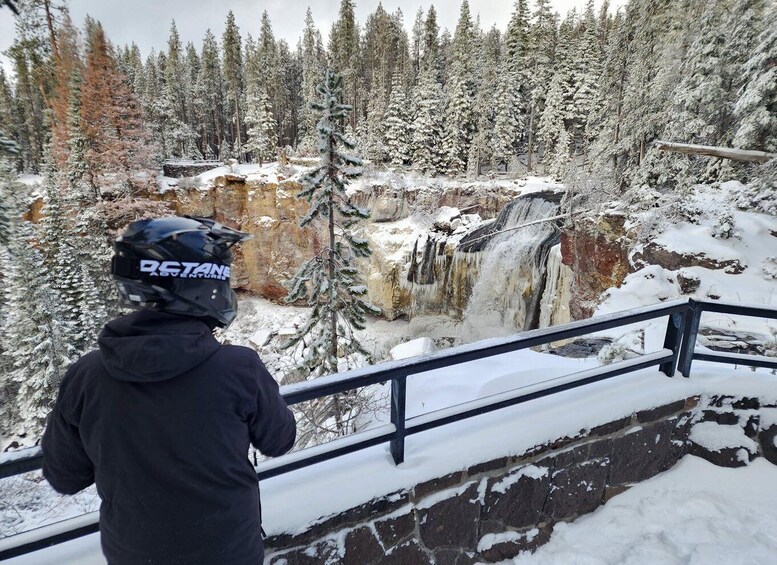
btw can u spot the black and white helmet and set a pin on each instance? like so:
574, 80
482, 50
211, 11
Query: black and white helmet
179, 265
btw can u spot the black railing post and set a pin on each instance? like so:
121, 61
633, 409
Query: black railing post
675, 328
689, 337
398, 404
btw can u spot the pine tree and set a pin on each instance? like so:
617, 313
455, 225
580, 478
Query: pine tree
344, 54
608, 152
508, 116
31, 57
459, 120
8, 147
654, 71
174, 105
76, 164
269, 78
119, 154
588, 77
311, 53
68, 67
330, 283
427, 124
261, 127
459, 113
34, 339
234, 83
517, 37
487, 80
430, 48
35, 346
371, 136
552, 131
397, 126
210, 97
540, 60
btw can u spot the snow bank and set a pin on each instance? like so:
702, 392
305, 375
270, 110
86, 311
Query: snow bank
695, 513
751, 242
716, 437
412, 348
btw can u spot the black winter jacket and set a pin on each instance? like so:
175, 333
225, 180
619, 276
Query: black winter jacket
160, 419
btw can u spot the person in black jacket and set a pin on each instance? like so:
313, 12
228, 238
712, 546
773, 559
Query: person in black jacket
160, 417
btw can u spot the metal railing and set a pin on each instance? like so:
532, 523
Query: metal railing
679, 350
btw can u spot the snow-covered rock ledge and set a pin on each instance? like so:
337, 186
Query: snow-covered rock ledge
493, 510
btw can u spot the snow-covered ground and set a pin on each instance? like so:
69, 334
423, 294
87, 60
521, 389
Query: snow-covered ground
694, 514
719, 232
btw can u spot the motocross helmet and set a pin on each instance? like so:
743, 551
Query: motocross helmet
179, 265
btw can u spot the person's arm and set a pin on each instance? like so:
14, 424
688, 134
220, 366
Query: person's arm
272, 427
66, 466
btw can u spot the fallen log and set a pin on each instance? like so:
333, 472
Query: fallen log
722, 152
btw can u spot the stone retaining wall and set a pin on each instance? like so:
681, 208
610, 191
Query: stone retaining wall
494, 510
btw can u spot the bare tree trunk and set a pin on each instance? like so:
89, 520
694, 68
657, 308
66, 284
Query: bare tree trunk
237, 126
338, 414
50, 25
722, 152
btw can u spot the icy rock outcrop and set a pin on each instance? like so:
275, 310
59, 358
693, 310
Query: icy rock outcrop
554, 306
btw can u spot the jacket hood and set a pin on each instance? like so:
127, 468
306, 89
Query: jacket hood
148, 346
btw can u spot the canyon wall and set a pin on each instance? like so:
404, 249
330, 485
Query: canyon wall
427, 255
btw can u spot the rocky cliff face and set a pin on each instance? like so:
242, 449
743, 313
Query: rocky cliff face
597, 254
270, 211
416, 266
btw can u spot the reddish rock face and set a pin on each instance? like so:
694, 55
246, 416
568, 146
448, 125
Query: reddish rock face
34, 213
597, 252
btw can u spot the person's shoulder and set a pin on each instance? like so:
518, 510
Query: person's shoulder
240, 353
80, 372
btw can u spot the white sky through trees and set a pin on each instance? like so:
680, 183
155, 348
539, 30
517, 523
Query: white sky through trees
147, 22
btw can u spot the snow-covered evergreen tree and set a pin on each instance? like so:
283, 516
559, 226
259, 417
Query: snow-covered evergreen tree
329, 282
540, 57
588, 77
509, 119
459, 113
210, 97
372, 131
427, 124
261, 127
34, 337
397, 132
35, 341
756, 108
552, 131
234, 83
312, 56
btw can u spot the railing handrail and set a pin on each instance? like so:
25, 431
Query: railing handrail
373, 374
679, 350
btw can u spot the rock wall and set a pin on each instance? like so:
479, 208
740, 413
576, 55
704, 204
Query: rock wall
271, 213
492, 511
597, 252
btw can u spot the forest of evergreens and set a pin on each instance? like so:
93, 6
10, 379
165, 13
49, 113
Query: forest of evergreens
582, 97
597, 85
